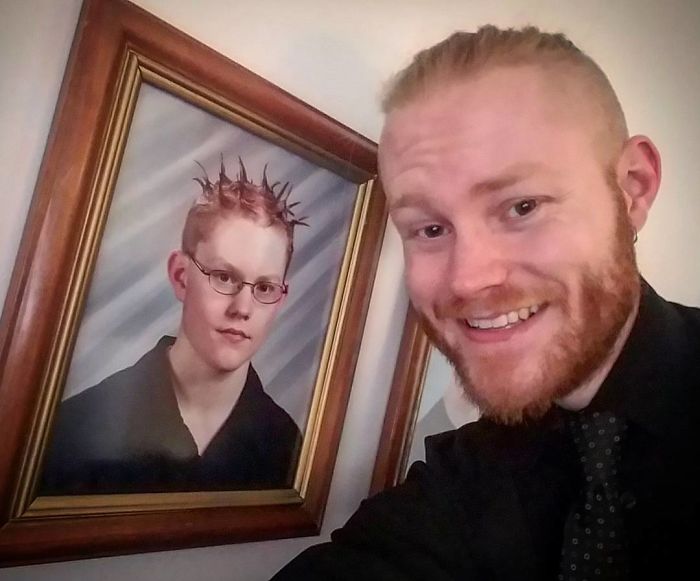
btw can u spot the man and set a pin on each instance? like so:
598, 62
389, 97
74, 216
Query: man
518, 194
191, 414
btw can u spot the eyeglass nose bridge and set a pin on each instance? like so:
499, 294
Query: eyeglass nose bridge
239, 287
236, 291
236, 288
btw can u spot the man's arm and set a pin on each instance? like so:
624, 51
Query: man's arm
415, 531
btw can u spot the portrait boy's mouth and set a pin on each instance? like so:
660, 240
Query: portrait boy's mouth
234, 335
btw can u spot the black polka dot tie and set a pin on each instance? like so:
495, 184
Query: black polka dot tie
594, 540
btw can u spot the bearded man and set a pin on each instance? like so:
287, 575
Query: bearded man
518, 194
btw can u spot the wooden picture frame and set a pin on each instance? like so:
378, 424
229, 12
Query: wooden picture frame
118, 49
401, 410
426, 398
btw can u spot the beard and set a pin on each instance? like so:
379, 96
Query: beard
595, 314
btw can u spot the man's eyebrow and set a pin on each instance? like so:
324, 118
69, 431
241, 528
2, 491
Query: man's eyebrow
509, 177
409, 200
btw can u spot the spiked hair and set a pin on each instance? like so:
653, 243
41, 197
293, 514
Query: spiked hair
265, 203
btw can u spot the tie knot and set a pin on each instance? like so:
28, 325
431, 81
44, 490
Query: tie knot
598, 438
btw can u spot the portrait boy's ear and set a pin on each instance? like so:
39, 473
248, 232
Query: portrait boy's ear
639, 176
177, 273
281, 302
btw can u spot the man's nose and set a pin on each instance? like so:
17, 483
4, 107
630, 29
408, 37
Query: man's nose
241, 304
478, 262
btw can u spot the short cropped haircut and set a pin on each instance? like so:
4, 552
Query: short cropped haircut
468, 53
266, 204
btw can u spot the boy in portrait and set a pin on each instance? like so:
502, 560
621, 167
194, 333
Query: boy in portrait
192, 413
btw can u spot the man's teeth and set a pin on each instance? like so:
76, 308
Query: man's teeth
509, 318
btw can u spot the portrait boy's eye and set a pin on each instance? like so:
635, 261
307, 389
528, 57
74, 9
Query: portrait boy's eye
226, 278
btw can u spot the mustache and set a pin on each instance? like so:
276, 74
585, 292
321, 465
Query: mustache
494, 300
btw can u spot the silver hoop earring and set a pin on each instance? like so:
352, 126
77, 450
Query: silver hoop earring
635, 237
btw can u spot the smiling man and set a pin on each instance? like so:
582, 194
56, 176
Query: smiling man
191, 414
517, 237
518, 194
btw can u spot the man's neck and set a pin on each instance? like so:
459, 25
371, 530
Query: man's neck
584, 394
205, 397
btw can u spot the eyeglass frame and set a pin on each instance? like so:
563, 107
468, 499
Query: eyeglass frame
252, 285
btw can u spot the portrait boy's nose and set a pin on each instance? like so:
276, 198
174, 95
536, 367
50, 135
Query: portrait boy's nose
241, 305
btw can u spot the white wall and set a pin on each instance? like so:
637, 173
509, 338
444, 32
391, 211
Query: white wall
336, 55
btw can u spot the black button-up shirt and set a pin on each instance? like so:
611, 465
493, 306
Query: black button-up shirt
490, 501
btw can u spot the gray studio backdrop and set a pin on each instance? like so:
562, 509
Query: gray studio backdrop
130, 304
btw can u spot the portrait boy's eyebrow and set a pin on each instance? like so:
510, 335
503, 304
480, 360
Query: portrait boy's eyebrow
192, 413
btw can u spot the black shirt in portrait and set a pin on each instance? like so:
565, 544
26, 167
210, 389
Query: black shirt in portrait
126, 435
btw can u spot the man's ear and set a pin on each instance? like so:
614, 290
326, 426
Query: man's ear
177, 273
639, 176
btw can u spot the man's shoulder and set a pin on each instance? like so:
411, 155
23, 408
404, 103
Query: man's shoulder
454, 449
103, 409
675, 332
122, 385
690, 317
419, 529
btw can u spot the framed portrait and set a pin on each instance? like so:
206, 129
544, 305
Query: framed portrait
185, 312
426, 398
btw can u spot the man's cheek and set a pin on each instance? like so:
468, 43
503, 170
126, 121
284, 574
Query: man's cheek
418, 289
428, 285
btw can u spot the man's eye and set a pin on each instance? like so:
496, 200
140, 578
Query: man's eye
264, 288
522, 208
432, 231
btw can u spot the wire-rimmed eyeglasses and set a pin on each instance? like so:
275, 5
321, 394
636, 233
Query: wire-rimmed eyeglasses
227, 283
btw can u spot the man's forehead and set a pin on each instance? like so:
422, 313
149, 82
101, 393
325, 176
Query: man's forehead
529, 88
504, 178
484, 111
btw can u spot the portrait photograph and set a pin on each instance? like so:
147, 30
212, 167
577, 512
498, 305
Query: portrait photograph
120, 425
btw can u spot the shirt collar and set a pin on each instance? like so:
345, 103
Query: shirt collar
646, 383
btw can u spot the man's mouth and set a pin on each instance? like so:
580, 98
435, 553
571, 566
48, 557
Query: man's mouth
504, 320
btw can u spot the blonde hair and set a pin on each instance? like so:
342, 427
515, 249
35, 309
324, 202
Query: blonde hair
467, 53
